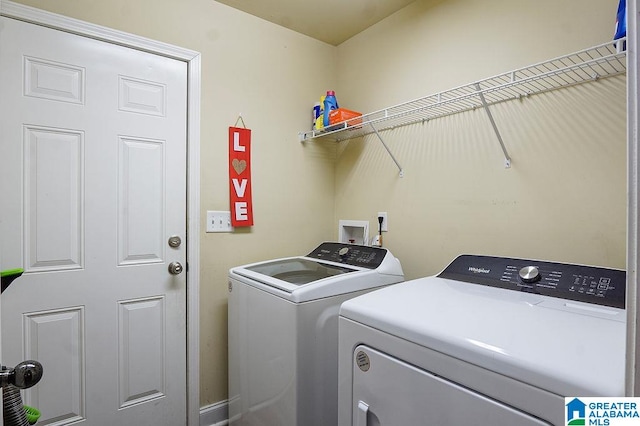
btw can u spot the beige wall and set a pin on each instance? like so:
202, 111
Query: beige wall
272, 76
564, 198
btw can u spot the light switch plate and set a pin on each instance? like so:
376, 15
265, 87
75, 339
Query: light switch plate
219, 221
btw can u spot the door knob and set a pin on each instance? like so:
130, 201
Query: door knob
174, 241
175, 268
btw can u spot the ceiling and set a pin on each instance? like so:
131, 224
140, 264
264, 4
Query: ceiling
331, 21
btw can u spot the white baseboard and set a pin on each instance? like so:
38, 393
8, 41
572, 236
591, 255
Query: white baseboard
215, 414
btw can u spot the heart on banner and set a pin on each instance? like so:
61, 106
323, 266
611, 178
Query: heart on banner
239, 165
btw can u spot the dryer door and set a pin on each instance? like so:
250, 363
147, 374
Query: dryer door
388, 391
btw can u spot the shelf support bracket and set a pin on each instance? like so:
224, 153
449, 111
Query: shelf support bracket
507, 159
388, 150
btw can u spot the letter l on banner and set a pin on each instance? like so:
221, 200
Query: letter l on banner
240, 176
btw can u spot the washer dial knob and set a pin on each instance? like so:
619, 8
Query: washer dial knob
530, 274
343, 251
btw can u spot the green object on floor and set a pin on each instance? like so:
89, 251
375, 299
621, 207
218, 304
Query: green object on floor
7, 276
33, 414
11, 272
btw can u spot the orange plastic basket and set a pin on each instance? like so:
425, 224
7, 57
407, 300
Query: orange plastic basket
341, 114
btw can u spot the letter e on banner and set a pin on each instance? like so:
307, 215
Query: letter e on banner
240, 176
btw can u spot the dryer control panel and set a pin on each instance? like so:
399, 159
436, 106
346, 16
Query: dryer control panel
350, 254
601, 286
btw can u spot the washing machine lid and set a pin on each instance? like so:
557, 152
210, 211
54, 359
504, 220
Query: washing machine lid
330, 269
563, 346
295, 271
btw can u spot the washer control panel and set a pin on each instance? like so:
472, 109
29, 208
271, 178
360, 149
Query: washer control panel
601, 286
350, 254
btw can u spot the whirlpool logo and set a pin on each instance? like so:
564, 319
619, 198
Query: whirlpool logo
602, 411
479, 270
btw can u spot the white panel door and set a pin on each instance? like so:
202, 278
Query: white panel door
93, 182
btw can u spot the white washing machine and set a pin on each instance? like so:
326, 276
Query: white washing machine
283, 331
489, 341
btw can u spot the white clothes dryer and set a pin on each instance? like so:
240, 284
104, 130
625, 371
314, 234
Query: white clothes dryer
283, 331
489, 341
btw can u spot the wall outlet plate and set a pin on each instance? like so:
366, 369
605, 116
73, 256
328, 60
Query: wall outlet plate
385, 222
219, 221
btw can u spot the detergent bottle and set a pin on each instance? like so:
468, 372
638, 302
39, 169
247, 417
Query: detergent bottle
320, 119
315, 113
330, 103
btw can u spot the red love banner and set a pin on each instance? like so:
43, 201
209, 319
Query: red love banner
240, 176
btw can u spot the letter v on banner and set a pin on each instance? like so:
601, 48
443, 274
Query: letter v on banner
240, 176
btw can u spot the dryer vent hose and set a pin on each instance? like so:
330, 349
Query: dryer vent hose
13, 410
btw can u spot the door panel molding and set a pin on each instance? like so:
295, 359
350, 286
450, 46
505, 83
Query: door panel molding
193, 60
53, 164
66, 82
141, 349
141, 222
42, 331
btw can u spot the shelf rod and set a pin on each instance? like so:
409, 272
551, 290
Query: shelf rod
507, 159
388, 150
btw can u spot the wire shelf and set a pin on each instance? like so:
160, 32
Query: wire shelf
605, 60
